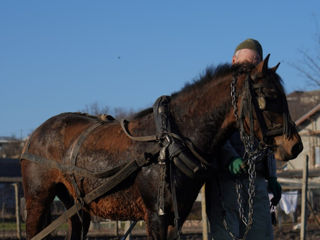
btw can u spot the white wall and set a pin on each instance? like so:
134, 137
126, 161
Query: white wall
309, 142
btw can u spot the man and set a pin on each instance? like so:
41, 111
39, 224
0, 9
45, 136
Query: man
249, 51
221, 194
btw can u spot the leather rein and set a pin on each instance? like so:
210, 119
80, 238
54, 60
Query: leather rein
253, 100
159, 138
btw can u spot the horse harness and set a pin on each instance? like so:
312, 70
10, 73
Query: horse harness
253, 100
68, 167
176, 152
181, 151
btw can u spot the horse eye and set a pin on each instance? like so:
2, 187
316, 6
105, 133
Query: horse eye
271, 94
262, 103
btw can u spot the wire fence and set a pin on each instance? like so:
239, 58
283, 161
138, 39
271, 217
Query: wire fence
105, 229
99, 228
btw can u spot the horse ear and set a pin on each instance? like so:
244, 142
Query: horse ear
262, 67
274, 69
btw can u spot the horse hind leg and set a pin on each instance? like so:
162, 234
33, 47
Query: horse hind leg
78, 224
38, 216
39, 193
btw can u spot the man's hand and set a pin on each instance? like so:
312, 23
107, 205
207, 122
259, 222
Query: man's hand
275, 188
236, 166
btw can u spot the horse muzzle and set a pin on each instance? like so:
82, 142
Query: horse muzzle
288, 149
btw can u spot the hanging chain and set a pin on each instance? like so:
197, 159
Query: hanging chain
253, 154
234, 97
250, 152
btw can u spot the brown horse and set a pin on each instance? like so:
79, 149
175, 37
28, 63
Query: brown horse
204, 112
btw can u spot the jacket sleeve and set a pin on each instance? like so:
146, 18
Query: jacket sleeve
227, 154
272, 167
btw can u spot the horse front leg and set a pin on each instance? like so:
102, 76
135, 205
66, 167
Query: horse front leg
157, 226
78, 224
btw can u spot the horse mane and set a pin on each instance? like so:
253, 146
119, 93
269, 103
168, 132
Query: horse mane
213, 73
209, 74
143, 113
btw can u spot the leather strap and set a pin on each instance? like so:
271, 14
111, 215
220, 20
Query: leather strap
177, 228
112, 182
76, 147
153, 138
129, 230
67, 169
124, 125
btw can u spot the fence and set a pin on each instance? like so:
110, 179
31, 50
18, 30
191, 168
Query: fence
13, 215
10, 194
13, 210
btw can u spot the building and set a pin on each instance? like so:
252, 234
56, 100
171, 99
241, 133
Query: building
304, 108
10, 147
10, 172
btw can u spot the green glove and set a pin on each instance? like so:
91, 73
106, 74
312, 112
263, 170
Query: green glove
236, 166
275, 188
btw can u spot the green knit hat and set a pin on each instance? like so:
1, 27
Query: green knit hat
250, 44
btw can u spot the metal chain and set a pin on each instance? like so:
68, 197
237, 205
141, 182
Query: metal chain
239, 199
251, 194
234, 97
251, 190
253, 153
249, 150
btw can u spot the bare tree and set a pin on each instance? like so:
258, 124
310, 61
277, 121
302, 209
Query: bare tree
95, 109
310, 64
122, 113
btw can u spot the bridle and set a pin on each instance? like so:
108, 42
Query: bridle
254, 100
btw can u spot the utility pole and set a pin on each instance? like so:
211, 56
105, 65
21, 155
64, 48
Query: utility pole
304, 199
204, 214
18, 223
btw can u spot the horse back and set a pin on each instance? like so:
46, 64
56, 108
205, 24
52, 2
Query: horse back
103, 148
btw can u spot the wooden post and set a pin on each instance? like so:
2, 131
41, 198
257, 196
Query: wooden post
18, 223
126, 227
117, 229
204, 214
304, 199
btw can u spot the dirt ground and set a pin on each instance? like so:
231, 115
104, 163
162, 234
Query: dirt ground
287, 233
192, 231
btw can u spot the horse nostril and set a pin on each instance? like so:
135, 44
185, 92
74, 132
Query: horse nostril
297, 148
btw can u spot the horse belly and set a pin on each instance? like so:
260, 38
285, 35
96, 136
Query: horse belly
122, 205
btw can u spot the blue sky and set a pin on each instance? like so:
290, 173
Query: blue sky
63, 55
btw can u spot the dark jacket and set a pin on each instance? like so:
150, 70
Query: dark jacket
234, 148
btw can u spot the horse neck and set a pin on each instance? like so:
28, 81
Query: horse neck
205, 115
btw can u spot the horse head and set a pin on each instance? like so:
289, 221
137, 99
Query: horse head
261, 110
